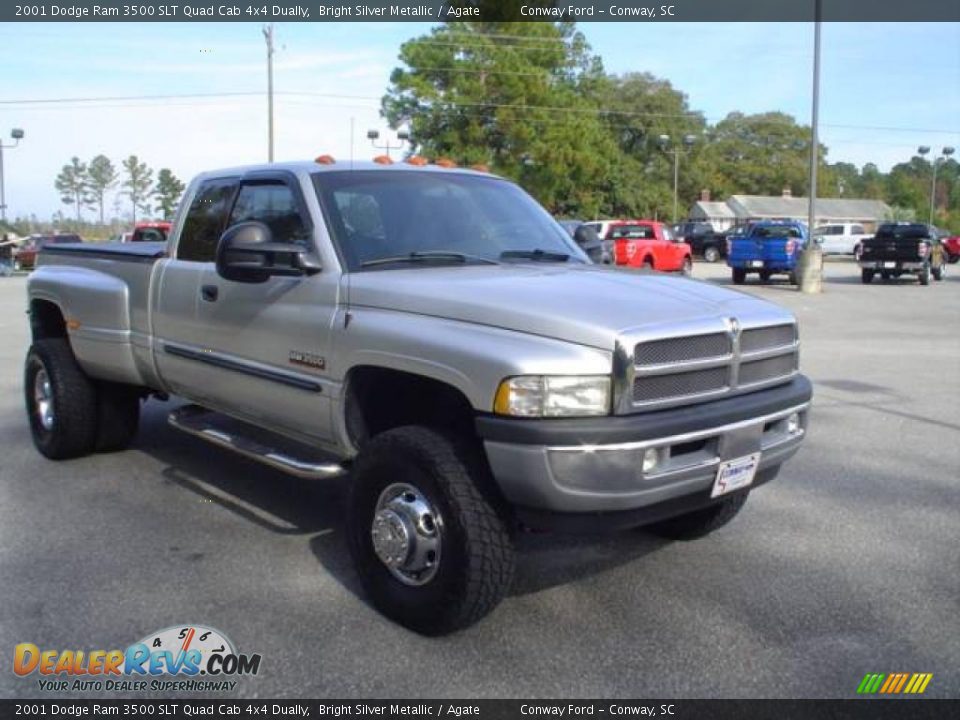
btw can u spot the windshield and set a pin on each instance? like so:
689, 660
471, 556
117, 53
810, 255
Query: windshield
416, 216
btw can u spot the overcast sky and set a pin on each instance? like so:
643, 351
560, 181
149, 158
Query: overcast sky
885, 88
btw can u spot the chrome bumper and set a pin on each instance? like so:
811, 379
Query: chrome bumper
609, 477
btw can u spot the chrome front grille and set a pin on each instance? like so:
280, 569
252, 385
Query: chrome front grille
759, 371
697, 382
708, 364
754, 339
694, 347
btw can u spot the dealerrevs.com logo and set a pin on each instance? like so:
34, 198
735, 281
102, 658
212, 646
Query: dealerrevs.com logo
180, 658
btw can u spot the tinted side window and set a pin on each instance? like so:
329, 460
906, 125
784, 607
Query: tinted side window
275, 205
206, 220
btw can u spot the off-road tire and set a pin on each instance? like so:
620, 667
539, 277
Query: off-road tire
739, 276
118, 416
924, 275
74, 430
866, 276
711, 254
476, 563
702, 522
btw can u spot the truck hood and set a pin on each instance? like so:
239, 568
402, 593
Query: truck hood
583, 304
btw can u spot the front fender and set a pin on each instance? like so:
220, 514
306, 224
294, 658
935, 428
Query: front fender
472, 358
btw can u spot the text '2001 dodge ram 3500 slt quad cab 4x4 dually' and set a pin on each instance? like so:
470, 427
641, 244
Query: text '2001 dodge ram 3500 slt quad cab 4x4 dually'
434, 334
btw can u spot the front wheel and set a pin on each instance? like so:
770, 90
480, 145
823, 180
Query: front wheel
711, 254
866, 276
699, 523
924, 275
739, 275
425, 534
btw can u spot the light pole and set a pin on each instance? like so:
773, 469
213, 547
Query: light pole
688, 141
944, 154
811, 257
17, 135
403, 136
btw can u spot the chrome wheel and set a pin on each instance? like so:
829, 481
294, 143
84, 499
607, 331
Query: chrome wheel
406, 534
43, 400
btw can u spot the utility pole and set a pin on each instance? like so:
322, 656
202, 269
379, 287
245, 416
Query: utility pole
268, 36
944, 154
811, 259
664, 142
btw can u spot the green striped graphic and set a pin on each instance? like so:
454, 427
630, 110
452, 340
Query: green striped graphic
871, 683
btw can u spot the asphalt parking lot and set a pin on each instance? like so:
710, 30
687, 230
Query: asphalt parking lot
846, 564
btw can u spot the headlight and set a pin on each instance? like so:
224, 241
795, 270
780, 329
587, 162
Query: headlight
553, 396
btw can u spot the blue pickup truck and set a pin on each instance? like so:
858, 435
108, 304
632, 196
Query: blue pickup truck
770, 247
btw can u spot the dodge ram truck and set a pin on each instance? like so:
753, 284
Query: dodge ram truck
421, 331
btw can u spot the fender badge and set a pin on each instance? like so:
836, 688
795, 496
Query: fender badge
310, 360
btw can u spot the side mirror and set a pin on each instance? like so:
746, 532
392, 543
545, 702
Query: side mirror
247, 253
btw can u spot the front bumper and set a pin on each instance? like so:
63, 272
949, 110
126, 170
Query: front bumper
595, 465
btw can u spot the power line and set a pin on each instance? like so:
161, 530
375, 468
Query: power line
440, 102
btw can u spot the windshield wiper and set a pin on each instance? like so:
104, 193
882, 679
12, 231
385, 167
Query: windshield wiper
537, 255
428, 256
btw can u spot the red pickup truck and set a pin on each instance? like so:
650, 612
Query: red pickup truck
649, 244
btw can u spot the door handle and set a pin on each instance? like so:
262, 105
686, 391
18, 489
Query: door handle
209, 293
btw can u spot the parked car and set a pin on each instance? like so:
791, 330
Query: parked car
432, 335
25, 257
150, 232
769, 247
904, 248
649, 244
951, 247
703, 240
586, 237
840, 238
602, 228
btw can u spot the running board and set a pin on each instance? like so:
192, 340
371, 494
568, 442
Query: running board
201, 423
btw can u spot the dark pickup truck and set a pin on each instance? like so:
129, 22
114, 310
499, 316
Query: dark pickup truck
903, 249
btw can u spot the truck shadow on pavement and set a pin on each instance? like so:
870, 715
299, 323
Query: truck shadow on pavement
292, 506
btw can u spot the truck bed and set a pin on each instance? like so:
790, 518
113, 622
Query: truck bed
148, 252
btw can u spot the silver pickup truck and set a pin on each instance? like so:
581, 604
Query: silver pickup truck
432, 333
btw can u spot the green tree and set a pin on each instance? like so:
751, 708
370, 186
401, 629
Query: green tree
759, 154
72, 183
137, 184
101, 176
507, 95
167, 191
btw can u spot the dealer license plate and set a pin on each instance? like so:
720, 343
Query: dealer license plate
735, 474
889, 264
756, 263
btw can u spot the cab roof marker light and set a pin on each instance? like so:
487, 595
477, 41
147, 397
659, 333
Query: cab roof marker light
480, 167
324, 160
417, 160
383, 160
444, 163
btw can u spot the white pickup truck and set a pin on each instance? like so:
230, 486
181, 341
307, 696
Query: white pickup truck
434, 335
840, 238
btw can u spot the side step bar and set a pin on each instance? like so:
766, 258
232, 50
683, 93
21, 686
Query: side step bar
201, 423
